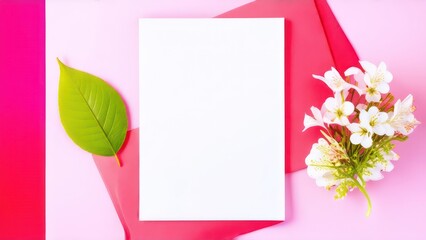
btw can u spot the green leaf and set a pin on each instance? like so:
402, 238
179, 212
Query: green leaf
92, 112
343, 189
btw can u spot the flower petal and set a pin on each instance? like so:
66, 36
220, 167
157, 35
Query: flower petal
376, 97
331, 104
382, 117
360, 79
319, 77
354, 127
356, 138
364, 117
316, 112
393, 156
407, 102
369, 97
379, 130
367, 127
389, 167
381, 67
367, 142
389, 131
383, 87
375, 175
308, 122
396, 107
352, 71
328, 117
329, 74
335, 74
368, 66
347, 108
367, 80
327, 180
314, 172
323, 182
373, 110
344, 121
388, 77
359, 90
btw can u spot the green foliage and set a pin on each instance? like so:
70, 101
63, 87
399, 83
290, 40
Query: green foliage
361, 162
375, 156
348, 170
92, 112
343, 188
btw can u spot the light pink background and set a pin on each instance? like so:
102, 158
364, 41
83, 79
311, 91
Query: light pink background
101, 37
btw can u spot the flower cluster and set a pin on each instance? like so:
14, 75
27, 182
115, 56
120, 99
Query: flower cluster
360, 123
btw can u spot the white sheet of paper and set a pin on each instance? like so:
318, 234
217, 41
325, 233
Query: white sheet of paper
211, 119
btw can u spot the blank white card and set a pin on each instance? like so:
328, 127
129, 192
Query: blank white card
211, 119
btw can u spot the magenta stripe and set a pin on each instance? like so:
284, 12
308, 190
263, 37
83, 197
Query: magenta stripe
22, 119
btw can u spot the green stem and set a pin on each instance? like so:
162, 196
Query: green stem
118, 160
327, 166
364, 192
362, 179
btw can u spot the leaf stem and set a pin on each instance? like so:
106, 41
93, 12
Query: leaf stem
117, 159
327, 166
364, 192
360, 178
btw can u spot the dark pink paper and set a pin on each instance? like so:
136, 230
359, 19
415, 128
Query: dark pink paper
22, 120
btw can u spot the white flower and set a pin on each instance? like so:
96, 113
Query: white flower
317, 120
338, 110
375, 173
378, 122
322, 159
376, 79
362, 132
377, 75
334, 81
402, 118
